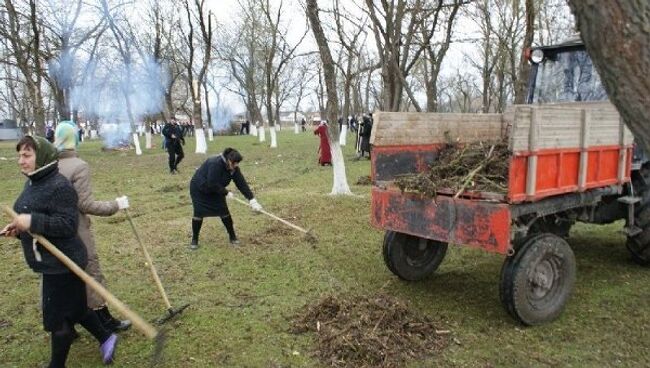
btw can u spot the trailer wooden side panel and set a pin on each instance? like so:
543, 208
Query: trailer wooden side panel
405, 128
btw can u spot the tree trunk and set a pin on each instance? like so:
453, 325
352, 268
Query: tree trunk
340, 183
524, 67
622, 57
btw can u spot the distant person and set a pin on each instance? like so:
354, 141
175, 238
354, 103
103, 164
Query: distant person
325, 153
365, 130
48, 206
303, 124
208, 192
173, 139
49, 133
245, 128
77, 171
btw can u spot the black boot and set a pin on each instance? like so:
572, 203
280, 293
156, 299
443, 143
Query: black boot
111, 323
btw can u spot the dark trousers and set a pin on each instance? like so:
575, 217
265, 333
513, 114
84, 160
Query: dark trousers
175, 152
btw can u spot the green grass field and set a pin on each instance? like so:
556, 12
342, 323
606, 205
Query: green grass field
242, 299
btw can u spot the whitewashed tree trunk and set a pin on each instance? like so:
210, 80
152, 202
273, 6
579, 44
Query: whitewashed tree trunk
136, 142
210, 134
342, 138
201, 145
147, 138
274, 140
340, 184
93, 134
296, 128
262, 133
254, 130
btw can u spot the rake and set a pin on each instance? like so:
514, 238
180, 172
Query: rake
171, 311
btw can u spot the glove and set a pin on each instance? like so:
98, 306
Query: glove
122, 202
230, 195
255, 205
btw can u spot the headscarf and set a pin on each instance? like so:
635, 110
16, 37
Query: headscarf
46, 154
66, 136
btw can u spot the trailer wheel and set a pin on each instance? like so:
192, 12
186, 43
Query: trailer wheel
537, 281
410, 257
389, 237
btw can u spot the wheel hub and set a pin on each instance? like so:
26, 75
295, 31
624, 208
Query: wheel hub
543, 278
419, 252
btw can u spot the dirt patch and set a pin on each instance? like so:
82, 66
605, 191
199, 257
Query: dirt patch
364, 180
480, 166
377, 331
5, 323
271, 234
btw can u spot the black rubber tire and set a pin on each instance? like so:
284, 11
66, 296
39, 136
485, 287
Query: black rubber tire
505, 293
412, 258
388, 240
537, 282
639, 245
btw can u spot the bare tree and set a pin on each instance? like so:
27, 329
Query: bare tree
340, 183
239, 49
441, 19
23, 31
395, 26
198, 13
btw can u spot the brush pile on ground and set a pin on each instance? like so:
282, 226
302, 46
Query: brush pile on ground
377, 331
480, 166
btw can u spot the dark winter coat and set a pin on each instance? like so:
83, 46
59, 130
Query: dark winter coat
365, 132
52, 202
173, 129
208, 187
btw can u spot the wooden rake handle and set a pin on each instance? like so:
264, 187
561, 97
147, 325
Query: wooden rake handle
152, 268
274, 217
142, 325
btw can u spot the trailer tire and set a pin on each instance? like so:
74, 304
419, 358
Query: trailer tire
389, 237
412, 258
536, 283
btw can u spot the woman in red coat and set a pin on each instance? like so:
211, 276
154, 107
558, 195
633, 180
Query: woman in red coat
325, 157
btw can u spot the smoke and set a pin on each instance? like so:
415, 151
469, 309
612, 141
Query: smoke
106, 88
62, 69
221, 117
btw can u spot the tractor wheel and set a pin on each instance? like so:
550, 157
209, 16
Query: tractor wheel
639, 245
410, 257
537, 281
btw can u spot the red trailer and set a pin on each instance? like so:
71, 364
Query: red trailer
569, 162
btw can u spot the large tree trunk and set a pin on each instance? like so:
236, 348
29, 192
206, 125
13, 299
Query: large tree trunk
340, 184
524, 67
622, 57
